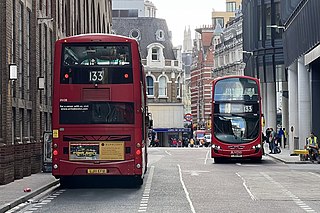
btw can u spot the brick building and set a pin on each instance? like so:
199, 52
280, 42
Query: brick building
201, 77
29, 29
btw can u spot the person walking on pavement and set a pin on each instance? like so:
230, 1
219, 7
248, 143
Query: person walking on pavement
280, 136
285, 136
268, 132
272, 138
312, 147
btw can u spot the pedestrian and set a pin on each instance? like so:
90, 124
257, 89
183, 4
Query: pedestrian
285, 136
268, 131
272, 138
174, 142
191, 142
185, 142
156, 142
280, 136
312, 147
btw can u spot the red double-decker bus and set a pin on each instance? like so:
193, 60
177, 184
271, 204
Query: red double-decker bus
100, 116
236, 118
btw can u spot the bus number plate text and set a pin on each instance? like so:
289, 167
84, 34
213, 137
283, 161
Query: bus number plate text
97, 171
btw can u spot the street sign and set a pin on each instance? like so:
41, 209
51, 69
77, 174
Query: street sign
188, 117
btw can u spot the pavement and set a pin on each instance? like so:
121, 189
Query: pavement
13, 194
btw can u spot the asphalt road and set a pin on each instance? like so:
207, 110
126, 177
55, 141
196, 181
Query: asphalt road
186, 180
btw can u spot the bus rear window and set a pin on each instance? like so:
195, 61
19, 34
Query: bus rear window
96, 64
96, 113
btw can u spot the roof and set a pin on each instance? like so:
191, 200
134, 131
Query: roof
148, 27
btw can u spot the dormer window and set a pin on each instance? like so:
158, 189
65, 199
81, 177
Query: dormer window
155, 54
160, 35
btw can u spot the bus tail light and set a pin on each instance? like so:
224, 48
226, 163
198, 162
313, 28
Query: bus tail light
55, 166
138, 166
55, 152
55, 145
138, 152
138, 145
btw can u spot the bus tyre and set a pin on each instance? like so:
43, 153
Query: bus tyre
218, 160
64, 182
139, 181
257, 160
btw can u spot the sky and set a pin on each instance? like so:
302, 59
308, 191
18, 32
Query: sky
184, 13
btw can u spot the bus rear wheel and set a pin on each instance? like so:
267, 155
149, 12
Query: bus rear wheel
257, 160
64, 182
218, 160
138, 181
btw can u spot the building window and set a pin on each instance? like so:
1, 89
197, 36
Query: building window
179, 84
125, 13
268, 21
21, 123
135, 33
20, 47
29, 122
28, 38
278, 32
162, 86
160, 35
218, 20
231, 6
155, 54
149, 86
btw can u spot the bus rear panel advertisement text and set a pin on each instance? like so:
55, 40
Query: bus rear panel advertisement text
236, 118
100, 116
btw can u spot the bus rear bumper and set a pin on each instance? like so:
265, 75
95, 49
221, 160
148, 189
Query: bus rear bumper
122, 168
252, 153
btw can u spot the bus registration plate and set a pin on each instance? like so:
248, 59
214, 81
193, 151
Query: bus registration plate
97, 171
236, 154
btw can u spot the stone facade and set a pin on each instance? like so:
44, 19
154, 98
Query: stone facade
228, 50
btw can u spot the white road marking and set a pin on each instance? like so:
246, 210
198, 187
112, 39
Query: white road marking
146, 193
246, 187
185, 190
207, 156
168, 152
295, 198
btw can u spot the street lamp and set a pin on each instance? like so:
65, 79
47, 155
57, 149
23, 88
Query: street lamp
247, 52
277, 26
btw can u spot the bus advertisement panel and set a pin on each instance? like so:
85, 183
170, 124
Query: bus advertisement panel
100, 116
236, 118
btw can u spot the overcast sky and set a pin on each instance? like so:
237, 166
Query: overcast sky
183, 13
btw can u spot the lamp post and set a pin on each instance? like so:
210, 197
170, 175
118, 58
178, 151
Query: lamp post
277, 26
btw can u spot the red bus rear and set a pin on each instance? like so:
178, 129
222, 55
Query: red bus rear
236, 118
99, 114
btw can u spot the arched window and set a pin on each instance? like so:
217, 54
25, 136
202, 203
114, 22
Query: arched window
163, 86
149, 86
